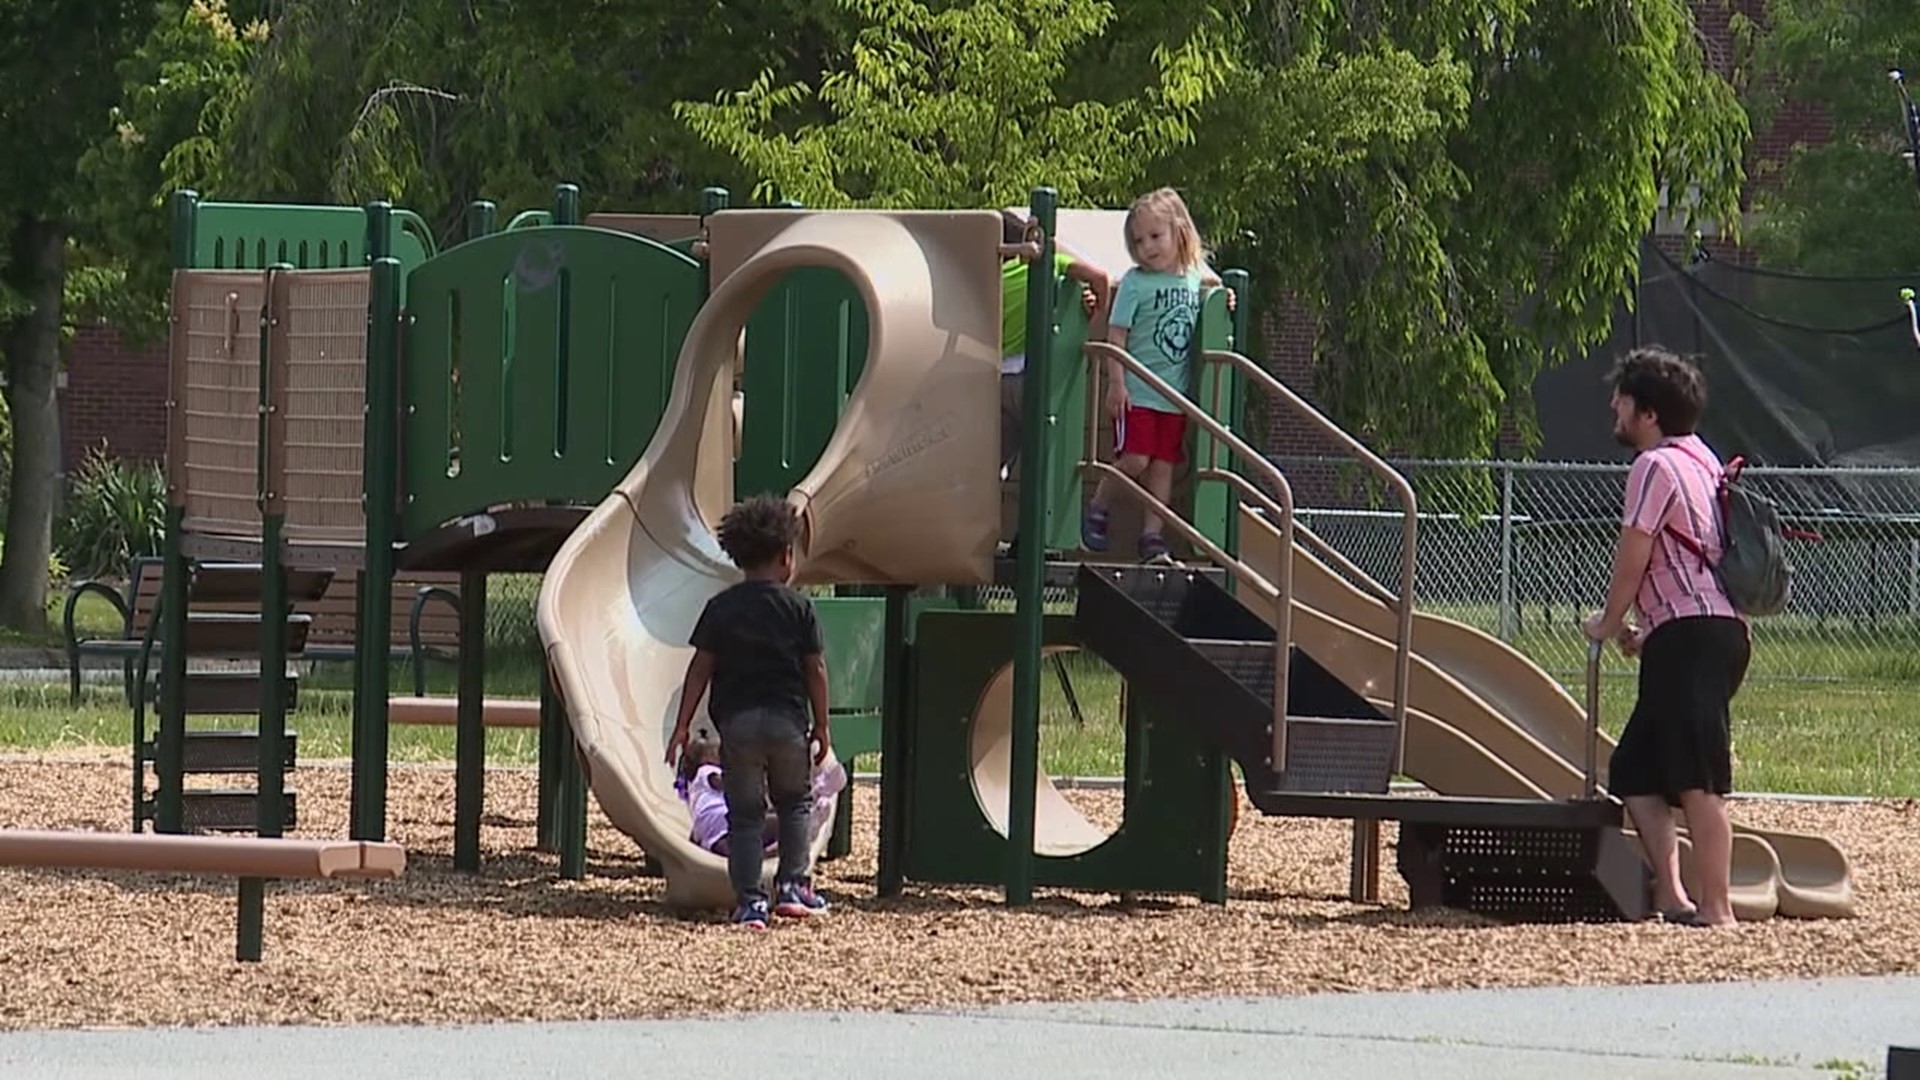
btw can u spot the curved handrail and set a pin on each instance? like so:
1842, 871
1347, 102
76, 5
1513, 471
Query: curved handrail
1403, 632
408, 221
1282, 584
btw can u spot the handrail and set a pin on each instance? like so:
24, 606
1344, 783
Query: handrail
1282, 583
1403, 643
1361, 579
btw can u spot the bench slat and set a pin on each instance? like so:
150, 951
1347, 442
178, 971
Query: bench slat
233, 856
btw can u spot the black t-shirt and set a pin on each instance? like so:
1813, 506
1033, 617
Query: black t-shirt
760, 633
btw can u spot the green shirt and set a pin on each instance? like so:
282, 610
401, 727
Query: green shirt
1013, 310
1159, 312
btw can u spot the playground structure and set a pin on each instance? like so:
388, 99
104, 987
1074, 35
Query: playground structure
394, 407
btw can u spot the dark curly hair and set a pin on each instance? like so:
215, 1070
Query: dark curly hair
756, 531
1662, 383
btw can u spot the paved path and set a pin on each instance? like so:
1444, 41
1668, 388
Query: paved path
1762, 1031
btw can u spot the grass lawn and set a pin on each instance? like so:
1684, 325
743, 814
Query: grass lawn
1827, 708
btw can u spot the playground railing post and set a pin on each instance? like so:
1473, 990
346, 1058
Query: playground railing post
380, 480
169, 733
274, 607
1031, 568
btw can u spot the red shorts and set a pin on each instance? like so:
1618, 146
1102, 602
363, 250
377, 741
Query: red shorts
1154, 435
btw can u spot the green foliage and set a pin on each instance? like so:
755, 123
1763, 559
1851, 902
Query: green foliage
116, 512
956, 105
1455, 190
169, 131
1848, 207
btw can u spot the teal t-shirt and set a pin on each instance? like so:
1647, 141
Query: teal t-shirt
1159, 312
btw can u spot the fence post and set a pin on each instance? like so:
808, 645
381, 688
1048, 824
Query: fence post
1509, 619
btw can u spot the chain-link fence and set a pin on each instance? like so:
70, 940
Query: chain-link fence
1522, 550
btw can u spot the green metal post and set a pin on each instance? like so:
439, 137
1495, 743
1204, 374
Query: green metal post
1238, 281
895, 744
553, 732
566, 204
470, 734
252, 930
169, 736
186, 211
573, 817
1030, 572
270, 805
482, 219
570, 811
379, 231
382, 467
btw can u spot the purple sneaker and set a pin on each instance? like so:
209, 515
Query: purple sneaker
797, 900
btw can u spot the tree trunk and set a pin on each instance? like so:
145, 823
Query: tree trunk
39, 271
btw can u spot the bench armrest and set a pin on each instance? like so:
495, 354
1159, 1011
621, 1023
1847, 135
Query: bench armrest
100, 588
417, 652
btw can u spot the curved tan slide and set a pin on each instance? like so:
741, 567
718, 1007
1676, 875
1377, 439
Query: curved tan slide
1505, 716
907, 490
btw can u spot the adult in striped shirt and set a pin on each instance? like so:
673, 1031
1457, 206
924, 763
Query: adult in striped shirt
1676, 750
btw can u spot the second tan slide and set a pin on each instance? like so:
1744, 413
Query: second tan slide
1505, 717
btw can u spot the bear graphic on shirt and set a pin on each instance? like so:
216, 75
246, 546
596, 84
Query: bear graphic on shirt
1173, 325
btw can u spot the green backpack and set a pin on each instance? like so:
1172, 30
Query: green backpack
1753, 566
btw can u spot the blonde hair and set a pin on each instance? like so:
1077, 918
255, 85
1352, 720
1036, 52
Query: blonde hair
1167, 205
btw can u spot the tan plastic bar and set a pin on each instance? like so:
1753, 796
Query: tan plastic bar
1361, 579
1283, 577
1403, 643
1241, 572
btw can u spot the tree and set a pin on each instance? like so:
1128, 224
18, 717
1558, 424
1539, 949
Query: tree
1457, 189
56, 75
439, 102
958, 105
1849, 206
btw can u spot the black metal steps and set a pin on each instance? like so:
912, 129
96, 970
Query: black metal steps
1177, 637
228, 751
1181, 639
226, 693
230, 810
1525, 873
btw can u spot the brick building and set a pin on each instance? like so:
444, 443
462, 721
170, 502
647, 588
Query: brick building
115, 391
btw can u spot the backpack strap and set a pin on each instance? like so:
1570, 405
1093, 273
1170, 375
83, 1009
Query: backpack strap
1721, 477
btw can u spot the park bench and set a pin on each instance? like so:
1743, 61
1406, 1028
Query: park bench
420, 628
253, 860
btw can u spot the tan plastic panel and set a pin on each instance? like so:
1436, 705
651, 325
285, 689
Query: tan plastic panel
213, 422
1058, 828
1509, 719
908, 488
660, 228
323, 371
622, 593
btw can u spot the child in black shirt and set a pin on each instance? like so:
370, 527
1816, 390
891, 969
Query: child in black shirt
757, 645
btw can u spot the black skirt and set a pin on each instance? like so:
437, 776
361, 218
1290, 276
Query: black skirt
1679, 737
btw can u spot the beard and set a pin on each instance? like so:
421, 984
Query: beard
1620, 436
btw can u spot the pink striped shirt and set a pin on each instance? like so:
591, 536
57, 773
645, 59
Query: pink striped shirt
1672, 488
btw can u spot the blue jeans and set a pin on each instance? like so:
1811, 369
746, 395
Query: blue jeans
764, 753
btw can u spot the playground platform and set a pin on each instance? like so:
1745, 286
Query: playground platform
1827, 1028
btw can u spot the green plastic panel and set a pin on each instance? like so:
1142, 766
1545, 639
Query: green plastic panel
1177, 787
1213, 501
852, 628
1067, 406
537, 364
806, 346
254, 236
